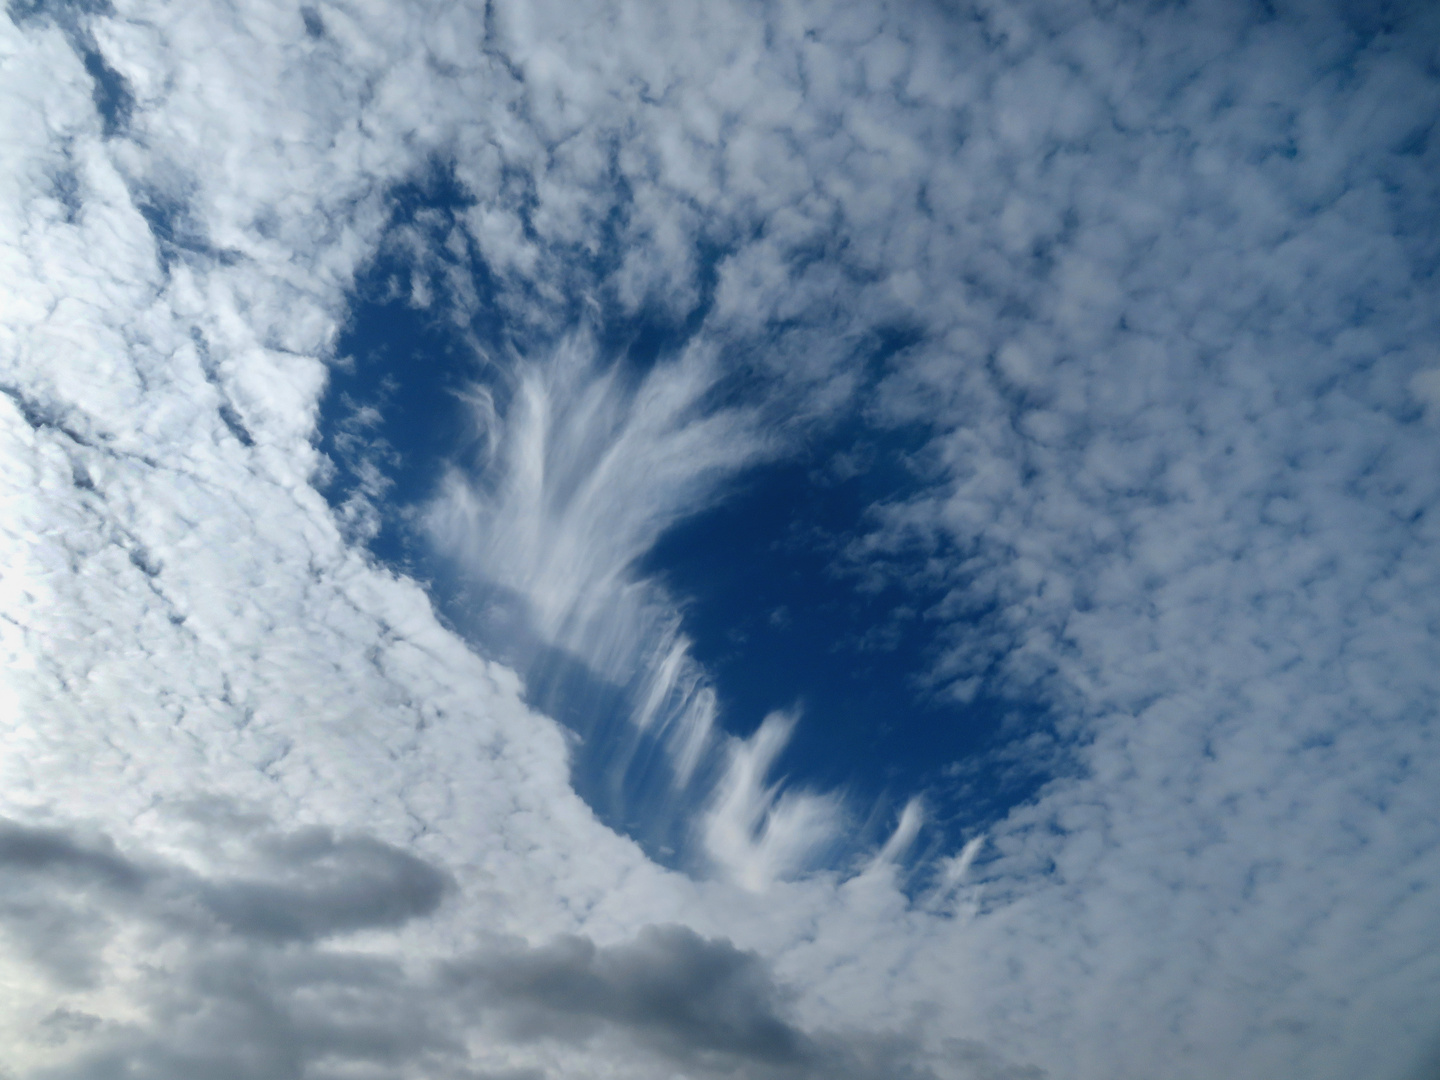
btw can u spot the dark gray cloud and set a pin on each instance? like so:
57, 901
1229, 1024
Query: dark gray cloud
244, 984
687, 993
32, 850
60, 891
48, 880
700, 1002
326, 885
236, 1012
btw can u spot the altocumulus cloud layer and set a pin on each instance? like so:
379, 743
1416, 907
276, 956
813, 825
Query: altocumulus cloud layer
1137, 307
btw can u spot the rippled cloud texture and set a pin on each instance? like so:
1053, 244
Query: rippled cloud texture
1141, 303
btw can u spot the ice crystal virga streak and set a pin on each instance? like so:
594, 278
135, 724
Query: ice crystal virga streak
589, 464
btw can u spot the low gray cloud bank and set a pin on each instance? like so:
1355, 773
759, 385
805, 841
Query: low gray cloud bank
225, 969
304, 886
248, 975
703, 1004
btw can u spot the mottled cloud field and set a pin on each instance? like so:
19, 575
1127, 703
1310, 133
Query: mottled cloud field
351, 726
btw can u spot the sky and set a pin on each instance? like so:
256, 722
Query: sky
752, 540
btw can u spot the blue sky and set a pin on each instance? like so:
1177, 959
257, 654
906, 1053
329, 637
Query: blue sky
758, 576
755, 540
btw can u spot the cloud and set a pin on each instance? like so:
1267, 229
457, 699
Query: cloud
753, 830
691, 996
701, 1003
1425, 385
310, 885
258, 996
234, 1014
210, 967
1167, 279
340, 885
592, 469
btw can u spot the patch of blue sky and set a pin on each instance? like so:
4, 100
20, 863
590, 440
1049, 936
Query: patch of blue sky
782, 619
779, 616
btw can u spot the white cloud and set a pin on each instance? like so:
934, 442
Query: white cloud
1425, 385
755, 832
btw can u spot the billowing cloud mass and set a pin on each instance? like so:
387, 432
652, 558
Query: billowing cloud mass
363, 365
